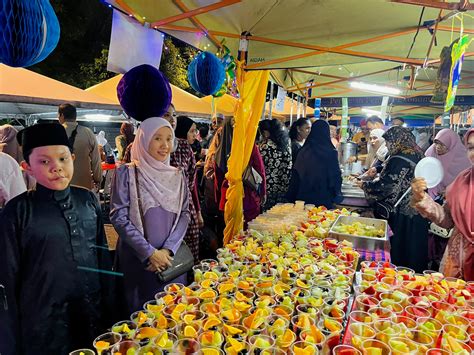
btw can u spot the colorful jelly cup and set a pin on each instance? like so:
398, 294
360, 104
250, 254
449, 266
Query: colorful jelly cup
345, 349
186, 346
106, 342
82, 352
372, 347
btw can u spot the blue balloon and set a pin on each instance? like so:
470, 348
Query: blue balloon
206, 73
29, 31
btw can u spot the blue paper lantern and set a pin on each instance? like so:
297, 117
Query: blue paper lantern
206, 73
29, 31
144, 92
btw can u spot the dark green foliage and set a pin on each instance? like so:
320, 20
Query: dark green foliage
80, 59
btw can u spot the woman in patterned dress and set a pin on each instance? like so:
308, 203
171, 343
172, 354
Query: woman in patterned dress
276, 154
409, 243
183, 157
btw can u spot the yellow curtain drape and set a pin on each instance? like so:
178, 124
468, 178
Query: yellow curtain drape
252, 88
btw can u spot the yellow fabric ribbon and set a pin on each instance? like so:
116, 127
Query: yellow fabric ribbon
252, 87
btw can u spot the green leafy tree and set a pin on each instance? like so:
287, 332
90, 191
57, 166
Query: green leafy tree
80, 59
96, 72
85, 31
187, 54
173, 65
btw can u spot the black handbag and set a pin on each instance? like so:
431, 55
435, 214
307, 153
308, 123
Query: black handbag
183, 259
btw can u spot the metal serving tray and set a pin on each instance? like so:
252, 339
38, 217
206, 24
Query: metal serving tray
361, 241
353, 192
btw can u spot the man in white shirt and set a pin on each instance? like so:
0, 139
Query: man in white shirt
11, 179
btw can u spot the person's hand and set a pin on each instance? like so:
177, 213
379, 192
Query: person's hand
200, 220
418, 187
159, 261
209, 174
351, 160
359, 183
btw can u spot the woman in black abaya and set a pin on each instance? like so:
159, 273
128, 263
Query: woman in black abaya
316, 176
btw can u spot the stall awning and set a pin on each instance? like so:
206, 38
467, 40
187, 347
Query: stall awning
329, 42
23, 87
227, 102
184, 102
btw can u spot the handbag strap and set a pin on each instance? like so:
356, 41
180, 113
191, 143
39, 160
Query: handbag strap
142, 217
404, 158
72, 138
397, 203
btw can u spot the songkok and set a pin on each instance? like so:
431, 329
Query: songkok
40, 135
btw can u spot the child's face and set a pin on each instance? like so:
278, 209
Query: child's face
51, 166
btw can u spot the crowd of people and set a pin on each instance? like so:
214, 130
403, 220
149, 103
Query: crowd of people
417, 241
169, 185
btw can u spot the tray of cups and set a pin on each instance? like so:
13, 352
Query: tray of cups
363, 233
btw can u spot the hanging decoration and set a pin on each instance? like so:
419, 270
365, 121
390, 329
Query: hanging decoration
206, 73
442, 77
228, 61
144, 92
29, 31
457, 57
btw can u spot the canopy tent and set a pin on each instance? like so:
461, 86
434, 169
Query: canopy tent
315, 36
329, 42
228, 103
19, 96
291, 107
184, 102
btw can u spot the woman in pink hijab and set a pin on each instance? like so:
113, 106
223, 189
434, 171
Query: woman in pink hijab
451, 152
457, 212
149, 210
449, 149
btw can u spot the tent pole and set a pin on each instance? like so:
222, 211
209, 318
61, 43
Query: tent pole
270, 110
298, 107
291, 110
